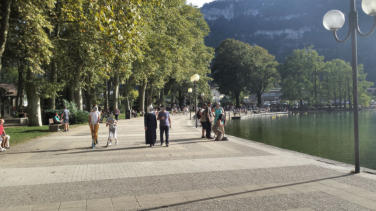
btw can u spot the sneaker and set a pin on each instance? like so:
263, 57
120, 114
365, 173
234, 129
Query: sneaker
109, 144
2, 149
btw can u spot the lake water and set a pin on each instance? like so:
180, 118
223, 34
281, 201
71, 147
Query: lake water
328, 135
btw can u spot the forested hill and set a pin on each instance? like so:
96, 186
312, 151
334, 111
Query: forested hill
283, 25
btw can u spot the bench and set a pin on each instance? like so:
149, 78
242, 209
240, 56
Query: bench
52, 126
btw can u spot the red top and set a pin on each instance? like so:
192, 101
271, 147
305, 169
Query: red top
1, 129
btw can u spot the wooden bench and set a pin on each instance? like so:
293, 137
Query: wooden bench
52, 126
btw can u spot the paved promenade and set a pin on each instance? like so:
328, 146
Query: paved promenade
61, 172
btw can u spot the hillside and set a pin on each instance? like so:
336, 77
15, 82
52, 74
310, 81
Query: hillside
284, 25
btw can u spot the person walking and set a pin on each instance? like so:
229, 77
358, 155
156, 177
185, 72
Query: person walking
164, 124
112, 130
117, 113
65, 118
94, 118
150, 124
202, 120
209, 119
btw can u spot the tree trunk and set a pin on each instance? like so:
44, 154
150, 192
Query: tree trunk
20, 87
115, 96
161, 97
2, 107
259, 99
142, 97
300, 104
87, 100
4, 27
78, 98
34, 108
53, 79
237, 99
149, 96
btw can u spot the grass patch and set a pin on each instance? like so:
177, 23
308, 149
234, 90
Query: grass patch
122, 116
21, 134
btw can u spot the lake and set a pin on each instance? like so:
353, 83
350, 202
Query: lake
327, 135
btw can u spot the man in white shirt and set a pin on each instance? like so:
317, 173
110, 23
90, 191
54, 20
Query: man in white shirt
94, 118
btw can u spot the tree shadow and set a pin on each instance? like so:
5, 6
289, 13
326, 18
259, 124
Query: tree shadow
43, 151
33, 131
245, 192
105, 149
189, 139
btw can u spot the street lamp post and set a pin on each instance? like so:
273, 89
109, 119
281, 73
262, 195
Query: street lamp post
194, 79
333, 21
190, 103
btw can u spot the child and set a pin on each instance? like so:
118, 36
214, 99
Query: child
112, 123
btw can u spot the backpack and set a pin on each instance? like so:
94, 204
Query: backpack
198, 115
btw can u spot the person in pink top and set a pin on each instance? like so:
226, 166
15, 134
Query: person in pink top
4, 138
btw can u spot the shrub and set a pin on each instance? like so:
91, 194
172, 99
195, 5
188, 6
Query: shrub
76, 116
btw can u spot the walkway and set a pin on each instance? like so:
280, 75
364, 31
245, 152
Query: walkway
61, 172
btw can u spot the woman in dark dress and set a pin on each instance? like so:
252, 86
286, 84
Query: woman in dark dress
150, 122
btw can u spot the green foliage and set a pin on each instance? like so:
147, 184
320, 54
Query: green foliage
63, 47
300, 74
229, 69
75, 117
238, 67
307, 78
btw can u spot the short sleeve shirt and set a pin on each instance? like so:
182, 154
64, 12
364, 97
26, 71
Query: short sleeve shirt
66, 114
163, 118
94, 116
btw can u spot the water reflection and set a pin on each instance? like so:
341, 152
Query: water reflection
328, 135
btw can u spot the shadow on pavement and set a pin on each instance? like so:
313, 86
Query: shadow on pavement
104, 149
43, 151
189, 139
250, 191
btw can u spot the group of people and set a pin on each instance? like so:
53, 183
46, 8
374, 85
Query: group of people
4, 138
111, 123
63, 120
212, 119
150, 124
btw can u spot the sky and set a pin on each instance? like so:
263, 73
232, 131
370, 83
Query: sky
198, 3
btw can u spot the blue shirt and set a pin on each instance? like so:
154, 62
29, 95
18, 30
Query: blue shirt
163, 118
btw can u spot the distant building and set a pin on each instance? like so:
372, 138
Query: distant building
371, 91
273, 96
8, 94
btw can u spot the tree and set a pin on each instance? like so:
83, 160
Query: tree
174, 49
35, 44
5, 8
299, 75
261, 71
228, 69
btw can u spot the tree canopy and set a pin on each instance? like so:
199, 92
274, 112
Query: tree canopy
89, 51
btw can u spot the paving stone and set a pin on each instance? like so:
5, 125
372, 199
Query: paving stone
61, 172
